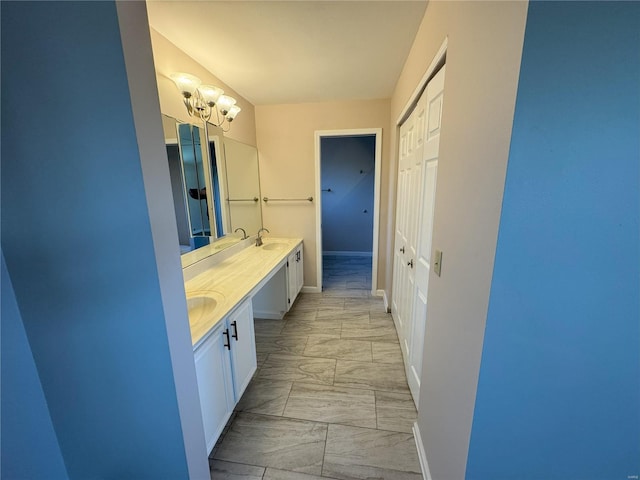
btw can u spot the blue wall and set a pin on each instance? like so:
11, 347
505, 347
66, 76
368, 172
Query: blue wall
559, 388
26, 426
345, 225
77, 242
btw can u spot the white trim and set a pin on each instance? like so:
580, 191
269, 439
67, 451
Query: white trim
318, 204
422, 456
387, 307
423, 82
141, 79
311, 290
376, 197
346, 254
376, 209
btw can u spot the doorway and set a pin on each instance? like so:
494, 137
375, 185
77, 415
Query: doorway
347, 189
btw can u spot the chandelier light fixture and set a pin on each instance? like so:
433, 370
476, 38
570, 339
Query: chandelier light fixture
203, 100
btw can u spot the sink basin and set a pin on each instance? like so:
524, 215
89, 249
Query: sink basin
201, 305
274, 246
196, 304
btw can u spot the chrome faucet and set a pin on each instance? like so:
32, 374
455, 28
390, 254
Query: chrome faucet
259, 238
244, 233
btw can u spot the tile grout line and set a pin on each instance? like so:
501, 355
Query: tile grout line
287, 401
324, 450
375, 400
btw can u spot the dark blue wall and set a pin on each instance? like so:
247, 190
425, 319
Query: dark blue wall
29, 448
77, 242
345, 225
559, 388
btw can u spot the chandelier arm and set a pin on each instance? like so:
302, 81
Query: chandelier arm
206, 113
187, 104
218, 117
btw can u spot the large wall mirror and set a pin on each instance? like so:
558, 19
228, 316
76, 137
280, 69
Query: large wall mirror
243, 186
215, 187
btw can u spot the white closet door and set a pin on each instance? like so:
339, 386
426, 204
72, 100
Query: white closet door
428, 169
400, 298
414, 169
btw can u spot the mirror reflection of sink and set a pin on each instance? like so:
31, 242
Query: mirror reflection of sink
223, 245
202, 304
274, 246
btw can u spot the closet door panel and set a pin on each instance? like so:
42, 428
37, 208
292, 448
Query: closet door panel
400, 294
433, 98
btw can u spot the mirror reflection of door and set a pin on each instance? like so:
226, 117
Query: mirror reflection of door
193, 175
217, 202
177, 190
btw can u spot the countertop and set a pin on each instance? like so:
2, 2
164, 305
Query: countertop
234, 279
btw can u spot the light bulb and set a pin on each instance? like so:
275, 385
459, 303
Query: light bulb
225, 102
210, 94
187, 84
233, 111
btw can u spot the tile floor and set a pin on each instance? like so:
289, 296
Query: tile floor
330, 397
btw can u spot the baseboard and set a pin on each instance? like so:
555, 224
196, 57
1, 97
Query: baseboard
347, 254
268, 315
311, 290
387, 306
422, 456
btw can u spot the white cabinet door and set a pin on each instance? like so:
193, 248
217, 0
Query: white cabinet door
213, 371
299, 269
292, 281
295, 275
243, 347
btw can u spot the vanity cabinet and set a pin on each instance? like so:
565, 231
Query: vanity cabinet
243, 347
225, 362
295, 275
215, 385
299, 270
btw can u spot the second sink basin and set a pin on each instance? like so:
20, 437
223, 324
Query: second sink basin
274, 246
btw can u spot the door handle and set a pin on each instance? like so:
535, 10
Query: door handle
234, 324
228, 343
410, 263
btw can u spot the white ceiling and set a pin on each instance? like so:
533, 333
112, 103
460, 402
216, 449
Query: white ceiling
275, 52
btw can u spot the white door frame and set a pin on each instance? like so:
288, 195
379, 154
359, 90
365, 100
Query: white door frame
319, 134
438, 60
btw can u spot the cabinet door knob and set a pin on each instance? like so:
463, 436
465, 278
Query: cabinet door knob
410, 263
227, 343
402, 250
234, 324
